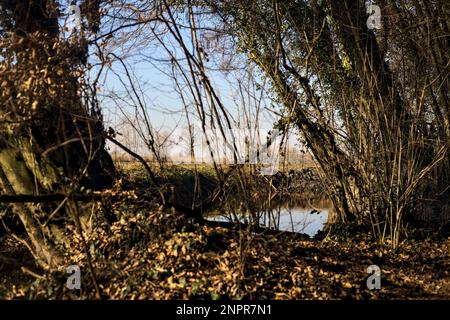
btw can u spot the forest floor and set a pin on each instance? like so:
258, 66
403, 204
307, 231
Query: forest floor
151, 253
213, 263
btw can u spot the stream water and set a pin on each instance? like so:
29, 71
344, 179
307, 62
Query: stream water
307, 218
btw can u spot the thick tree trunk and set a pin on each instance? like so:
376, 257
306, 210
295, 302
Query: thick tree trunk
15, 177
50, 141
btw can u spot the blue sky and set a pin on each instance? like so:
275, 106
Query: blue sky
162, 102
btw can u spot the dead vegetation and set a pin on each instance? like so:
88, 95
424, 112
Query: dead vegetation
151, 255
377, 133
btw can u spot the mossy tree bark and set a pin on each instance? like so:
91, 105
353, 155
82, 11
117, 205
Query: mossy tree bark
51, 140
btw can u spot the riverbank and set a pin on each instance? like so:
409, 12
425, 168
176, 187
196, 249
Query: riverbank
134, 259
140, 250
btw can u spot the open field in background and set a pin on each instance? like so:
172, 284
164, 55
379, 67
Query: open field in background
206, 169
296, 181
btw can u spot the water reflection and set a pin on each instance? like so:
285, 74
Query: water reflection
295, 216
